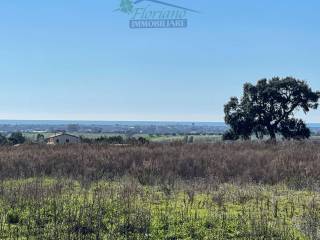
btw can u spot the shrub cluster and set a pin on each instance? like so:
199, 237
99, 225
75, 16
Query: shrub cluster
115, 140
14, 139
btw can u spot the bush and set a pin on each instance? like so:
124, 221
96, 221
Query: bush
13, 217
16, 138
110, 140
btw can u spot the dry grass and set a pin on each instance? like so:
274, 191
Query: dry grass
160, 191
293, 163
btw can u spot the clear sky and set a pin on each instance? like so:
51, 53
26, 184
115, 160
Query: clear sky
78, 59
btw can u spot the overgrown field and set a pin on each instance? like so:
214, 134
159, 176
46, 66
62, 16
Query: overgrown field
296, 164
160, 191
57, 209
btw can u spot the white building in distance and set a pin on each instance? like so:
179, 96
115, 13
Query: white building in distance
62, 138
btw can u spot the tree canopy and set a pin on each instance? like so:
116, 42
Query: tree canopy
16, 138
268, 108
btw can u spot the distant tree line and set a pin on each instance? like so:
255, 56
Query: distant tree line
115, 140
12, 139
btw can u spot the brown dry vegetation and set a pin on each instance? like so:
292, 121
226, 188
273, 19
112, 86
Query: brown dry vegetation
291, 163
104, 191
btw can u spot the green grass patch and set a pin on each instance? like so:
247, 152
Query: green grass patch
65, 209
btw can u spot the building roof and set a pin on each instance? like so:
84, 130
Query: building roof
62, 134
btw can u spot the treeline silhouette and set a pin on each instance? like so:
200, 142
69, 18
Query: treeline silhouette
13, 139
115, 140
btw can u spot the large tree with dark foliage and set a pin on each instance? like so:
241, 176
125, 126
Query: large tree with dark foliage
268, 108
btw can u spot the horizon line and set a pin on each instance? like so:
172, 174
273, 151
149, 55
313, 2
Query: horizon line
82, 120
86, 120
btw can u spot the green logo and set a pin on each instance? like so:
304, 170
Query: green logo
155, 14
126, 6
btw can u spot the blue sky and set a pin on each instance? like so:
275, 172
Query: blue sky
78, 59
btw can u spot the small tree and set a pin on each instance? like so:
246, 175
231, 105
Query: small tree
40, 138
267, 109
143, 140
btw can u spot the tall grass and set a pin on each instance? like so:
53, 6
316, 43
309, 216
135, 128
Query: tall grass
63, 209
297, 164
160, 191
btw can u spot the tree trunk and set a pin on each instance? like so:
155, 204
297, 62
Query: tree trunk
272, 133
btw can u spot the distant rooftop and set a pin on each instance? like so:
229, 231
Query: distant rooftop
61, 134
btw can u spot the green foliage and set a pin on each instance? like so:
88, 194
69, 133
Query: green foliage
16, 138
294, 129
116, 140
13, 217
230, 135
142, 140
110, 140
268, 108
61, 209
126, 6
40, 137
